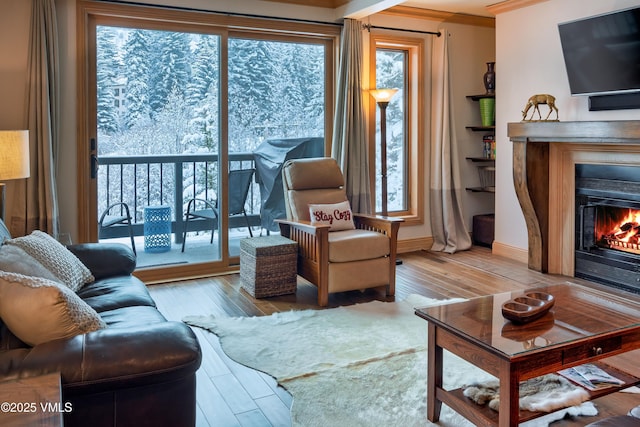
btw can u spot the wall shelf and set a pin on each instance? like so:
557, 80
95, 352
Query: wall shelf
479, 97
481, 159
481, 128
481, 189
485, 165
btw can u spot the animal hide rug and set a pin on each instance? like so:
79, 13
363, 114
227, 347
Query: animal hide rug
546, 393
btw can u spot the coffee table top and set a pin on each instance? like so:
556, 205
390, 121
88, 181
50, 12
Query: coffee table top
579, 313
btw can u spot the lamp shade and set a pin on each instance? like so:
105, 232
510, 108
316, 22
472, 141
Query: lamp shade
14, 154
383, 95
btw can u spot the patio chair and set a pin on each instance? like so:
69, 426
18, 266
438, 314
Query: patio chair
123, 217
197, 208
358, 256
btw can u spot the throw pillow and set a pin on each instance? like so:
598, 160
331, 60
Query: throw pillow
15, 260
56, 258
37, 310
336, 215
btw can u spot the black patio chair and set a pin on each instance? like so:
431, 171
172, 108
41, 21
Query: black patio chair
122, 217
239, 183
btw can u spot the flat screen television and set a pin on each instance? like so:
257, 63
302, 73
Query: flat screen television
602, 53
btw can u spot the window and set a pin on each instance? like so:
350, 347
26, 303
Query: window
397, 63
391, 72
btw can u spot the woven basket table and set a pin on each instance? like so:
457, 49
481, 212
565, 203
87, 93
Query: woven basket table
268, 266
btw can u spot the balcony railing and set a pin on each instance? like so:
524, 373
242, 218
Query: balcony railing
141, 181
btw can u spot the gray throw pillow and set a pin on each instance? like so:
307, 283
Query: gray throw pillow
56, 258
13, 259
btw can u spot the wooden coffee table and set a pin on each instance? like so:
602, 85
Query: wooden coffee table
584, 326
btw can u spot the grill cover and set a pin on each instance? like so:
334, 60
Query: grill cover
269, 158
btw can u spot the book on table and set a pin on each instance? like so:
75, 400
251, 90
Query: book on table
591, 377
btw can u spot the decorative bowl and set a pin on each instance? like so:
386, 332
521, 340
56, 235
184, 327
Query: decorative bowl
528, 307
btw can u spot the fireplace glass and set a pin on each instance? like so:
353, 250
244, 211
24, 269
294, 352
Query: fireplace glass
608, 225
618, 228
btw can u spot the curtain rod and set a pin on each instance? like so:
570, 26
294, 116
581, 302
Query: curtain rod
368, 27
277, 18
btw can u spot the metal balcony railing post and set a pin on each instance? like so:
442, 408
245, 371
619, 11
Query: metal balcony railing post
179, 202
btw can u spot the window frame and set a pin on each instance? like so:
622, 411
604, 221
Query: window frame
414, 122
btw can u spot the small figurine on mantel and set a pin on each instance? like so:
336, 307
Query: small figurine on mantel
534, 102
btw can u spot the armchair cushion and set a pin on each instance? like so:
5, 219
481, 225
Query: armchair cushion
55, 258
313, 173
38, 310
336, 215
356, 245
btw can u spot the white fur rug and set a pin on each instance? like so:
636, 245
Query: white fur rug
359, 365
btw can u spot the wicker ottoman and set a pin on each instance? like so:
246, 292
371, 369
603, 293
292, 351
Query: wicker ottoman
268, 266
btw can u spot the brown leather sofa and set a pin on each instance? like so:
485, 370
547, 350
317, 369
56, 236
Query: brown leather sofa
139, 371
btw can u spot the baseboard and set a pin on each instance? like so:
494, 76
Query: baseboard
412, 245
516, 254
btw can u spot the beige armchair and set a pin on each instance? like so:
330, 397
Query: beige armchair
335, 261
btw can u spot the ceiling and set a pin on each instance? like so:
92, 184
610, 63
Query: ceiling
469, 7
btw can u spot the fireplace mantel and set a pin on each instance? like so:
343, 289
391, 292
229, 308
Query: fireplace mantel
544, 158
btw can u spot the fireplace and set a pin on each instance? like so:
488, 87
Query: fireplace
607, 209
579, 189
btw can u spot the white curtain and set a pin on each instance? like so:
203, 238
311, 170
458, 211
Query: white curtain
36, 208
447, 219
349, 132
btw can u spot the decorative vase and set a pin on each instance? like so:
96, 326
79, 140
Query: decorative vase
490, 78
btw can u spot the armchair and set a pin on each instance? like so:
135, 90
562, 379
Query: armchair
335, 261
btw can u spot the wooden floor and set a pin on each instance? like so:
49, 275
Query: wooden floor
232, 395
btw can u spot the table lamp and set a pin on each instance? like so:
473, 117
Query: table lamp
14, 159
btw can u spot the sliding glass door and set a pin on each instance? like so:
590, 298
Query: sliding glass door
175, 112
158, 141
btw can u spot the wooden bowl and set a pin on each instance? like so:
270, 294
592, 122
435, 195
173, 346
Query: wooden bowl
528, 307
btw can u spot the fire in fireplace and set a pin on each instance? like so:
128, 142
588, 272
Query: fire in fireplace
608, 225
618, 228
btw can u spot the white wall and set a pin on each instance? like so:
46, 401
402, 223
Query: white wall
529, 61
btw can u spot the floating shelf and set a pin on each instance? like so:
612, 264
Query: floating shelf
481, 189
478, 97
481, 159
481, 128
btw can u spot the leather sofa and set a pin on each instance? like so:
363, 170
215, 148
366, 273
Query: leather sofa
138, 371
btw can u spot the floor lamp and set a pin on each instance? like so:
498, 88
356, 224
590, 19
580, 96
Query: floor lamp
382, 97
14, 159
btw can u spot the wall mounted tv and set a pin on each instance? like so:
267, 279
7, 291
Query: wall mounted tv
602, 54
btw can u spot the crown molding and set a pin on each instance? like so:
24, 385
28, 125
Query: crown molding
328, 4
435, 15
509, 5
